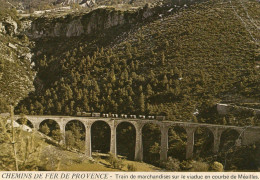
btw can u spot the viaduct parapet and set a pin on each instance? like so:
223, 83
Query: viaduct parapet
247, 135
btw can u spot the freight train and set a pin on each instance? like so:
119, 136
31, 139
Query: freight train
125, 116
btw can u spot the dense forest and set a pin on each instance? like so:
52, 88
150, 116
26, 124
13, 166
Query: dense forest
178, 64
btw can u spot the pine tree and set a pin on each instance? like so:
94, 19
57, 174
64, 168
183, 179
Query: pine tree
163, 59
224, 121
141, 103
149, 90
165, 80
45, 129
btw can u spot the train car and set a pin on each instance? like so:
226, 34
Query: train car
84, 114
160, 118
95, 114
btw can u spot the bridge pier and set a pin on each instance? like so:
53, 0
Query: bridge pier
113, 138
217, 135
88, 150
138, 143
63, 133
190, 141
36, 126
164, 143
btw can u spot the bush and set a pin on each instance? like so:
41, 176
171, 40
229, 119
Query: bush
131, 167
52, 159
199, 166
185, 165
172, 164
115, 162
216, 166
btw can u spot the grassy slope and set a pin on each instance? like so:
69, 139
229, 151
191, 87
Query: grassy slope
103, 165
71, 161
54, 157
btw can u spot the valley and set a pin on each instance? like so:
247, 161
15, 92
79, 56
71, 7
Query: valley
178, 60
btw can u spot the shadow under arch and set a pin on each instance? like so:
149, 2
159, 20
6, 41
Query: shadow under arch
125, 138
75, 134
24, 121
151, 136
203, 142
50, 128
228, 139
100, 136
177, 141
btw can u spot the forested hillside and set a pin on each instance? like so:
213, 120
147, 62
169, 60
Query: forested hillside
179, 65
176, 60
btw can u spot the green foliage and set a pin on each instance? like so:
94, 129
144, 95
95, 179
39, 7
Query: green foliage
240, 158
172, 164
115, 162
75, 136
177, 143
27, 148
16, 75
180, 70
178, 65
216, 166
199, 166
203, 143
7, 10
57, 135
131, 167
45, 129
100, 137
126, 140
52, 158
151, 137
155, 149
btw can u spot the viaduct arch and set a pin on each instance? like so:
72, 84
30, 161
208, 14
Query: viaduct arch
248, 135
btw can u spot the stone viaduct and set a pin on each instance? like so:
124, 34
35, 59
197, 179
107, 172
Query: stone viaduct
247, 135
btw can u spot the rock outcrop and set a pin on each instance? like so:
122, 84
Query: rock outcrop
8, 26
95, 21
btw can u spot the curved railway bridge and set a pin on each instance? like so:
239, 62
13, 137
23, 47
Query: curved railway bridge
247, 135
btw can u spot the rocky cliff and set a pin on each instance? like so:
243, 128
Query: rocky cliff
98, 20
8, 26
16, 75
76, 25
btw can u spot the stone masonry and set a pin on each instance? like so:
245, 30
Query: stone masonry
248, 135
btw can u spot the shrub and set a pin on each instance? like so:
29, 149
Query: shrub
172, 164
115, 162
131, 167
199, 166
185, 165
216, 166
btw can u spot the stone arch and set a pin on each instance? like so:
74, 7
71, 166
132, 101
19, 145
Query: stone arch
25, 121
51, 128
75, 133
100, 136
203, 142
69, 120
177, 142
151, 138
126, 139
229, 138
